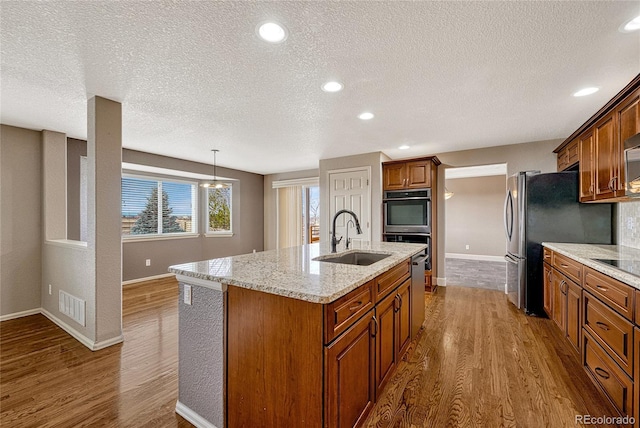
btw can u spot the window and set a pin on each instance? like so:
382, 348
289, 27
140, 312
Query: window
219, 210
143, 198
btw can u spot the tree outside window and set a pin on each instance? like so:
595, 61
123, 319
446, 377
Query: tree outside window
219, 209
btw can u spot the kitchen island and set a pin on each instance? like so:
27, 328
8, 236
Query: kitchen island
285, 338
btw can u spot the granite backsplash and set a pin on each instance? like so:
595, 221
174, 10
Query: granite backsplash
629, 224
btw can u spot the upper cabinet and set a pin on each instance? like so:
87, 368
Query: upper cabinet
598, 146
409, 174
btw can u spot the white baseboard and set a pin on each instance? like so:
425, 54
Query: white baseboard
441, 282
475, 257
147, 278
19, 314
192, 416
92, 345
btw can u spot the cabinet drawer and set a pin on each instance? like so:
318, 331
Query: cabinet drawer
617, 295
610, 330
547, 255
569, 267
616, 385
392, 278
339, 315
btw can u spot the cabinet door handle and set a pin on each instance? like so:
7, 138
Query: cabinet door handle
563, 265
602, 373
591, 189
375, 326
600, 287
562, 290
355, 306
602, 325
610, 186
396, 303
399, 302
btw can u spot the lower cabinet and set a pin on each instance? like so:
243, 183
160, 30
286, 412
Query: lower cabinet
636, 401
566, 305
574, 320
349, 374
548, 287
559, 300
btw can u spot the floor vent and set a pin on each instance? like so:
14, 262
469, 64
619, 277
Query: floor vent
72, 307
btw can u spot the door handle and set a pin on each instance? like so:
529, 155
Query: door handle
602, 325
355, 306
375, 326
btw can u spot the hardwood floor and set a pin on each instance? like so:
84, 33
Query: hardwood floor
481, 363
48, 379
478, 363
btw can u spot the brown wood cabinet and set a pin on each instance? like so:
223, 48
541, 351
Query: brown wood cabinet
600, 143
297, 363
574, 318
559, 304
587, 174
548, 287
349, 375
408, 174
607, 159
636, 400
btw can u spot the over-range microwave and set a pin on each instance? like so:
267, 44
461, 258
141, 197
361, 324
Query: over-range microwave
632, 166
407, 211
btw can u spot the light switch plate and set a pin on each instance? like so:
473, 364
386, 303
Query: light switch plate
187, 294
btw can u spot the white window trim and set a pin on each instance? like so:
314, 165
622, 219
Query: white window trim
304, 182
223, 233
165, 236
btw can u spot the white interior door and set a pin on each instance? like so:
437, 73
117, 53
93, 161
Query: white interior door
350, 190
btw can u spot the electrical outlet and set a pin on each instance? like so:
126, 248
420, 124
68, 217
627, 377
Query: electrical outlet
630, 223
49, 289
147, 262
187, 294
467, 246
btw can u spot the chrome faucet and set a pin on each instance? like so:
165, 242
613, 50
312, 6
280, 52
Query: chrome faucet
334, 241
348, 240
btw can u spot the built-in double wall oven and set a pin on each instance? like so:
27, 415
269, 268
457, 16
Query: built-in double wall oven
407, 218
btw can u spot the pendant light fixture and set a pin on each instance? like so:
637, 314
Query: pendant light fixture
214, 183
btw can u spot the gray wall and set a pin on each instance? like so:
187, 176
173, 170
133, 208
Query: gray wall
373, 160
21, 218
537, 155
270, 208
248, 223
474, 216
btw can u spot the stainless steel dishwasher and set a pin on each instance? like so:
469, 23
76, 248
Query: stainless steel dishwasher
417, 292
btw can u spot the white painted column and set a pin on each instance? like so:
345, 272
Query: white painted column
104, 159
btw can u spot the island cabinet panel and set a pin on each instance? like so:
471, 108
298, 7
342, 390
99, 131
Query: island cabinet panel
386, 341
278, 339
339, 315
610, 330
389, 280
616, 385
349, 375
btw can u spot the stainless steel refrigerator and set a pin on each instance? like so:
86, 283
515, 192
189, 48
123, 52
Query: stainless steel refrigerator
544, 207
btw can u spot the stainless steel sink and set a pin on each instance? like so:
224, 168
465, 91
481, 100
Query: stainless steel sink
354, 258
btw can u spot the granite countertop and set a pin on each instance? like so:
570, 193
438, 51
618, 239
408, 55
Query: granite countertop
292, 272
586, 253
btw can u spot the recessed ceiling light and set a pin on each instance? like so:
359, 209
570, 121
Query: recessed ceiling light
272, 32
404, 147
631, 26
332, 86
365, 116
586, 91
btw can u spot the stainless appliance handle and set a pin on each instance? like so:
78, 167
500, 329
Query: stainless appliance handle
418, 260
415, 198
510, 259
508, 203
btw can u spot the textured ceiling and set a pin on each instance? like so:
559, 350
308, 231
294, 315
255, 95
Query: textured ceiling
191, 76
